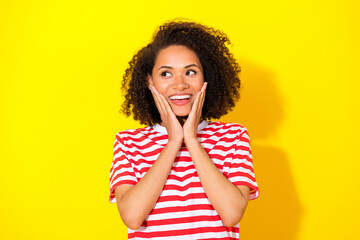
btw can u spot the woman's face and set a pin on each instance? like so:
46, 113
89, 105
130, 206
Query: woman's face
178, 76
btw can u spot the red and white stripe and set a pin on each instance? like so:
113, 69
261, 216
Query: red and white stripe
183, 210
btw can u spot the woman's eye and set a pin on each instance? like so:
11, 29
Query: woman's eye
190, 72
165, 74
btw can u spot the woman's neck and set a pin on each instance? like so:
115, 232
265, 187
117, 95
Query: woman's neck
180, 119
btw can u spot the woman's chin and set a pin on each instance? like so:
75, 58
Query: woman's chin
181, 113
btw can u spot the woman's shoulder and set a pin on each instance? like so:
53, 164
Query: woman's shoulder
217, 125
134, 133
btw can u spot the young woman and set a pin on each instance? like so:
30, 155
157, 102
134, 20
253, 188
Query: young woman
182, 176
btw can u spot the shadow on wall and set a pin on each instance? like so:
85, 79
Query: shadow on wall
276, 214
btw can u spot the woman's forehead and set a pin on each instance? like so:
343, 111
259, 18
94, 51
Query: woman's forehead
177, 56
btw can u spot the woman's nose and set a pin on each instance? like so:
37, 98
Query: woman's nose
180, 83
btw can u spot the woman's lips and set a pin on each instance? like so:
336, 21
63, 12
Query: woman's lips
180, 99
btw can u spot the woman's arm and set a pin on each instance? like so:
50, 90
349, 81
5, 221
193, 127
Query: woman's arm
135, 202
229, 201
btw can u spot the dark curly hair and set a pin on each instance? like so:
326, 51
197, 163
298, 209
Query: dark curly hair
220, 70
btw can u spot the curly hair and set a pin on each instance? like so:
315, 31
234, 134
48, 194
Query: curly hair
219, 66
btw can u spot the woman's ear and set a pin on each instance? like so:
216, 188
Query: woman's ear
149, 82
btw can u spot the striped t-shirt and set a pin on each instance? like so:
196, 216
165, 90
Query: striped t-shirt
183, 210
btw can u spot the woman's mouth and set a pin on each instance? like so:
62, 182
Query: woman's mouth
180, 99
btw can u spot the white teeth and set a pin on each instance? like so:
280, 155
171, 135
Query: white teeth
179, 97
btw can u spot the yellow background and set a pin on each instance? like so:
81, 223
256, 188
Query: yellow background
61, 64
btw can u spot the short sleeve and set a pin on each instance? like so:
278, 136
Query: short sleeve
121, 171
241, 170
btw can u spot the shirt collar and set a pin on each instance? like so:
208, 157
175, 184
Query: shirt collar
162, 129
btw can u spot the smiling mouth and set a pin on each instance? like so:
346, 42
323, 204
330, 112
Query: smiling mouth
180, 99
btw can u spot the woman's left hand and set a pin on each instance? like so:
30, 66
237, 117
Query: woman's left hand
192, 122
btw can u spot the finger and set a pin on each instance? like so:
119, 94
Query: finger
166, 104
200, 103
157, 101
202, 98
194, 108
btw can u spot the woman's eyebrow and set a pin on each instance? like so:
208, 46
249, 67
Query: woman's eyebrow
187, 66
192, 65
164, 67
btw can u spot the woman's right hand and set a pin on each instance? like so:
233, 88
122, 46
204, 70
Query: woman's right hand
168, 118
135, 202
